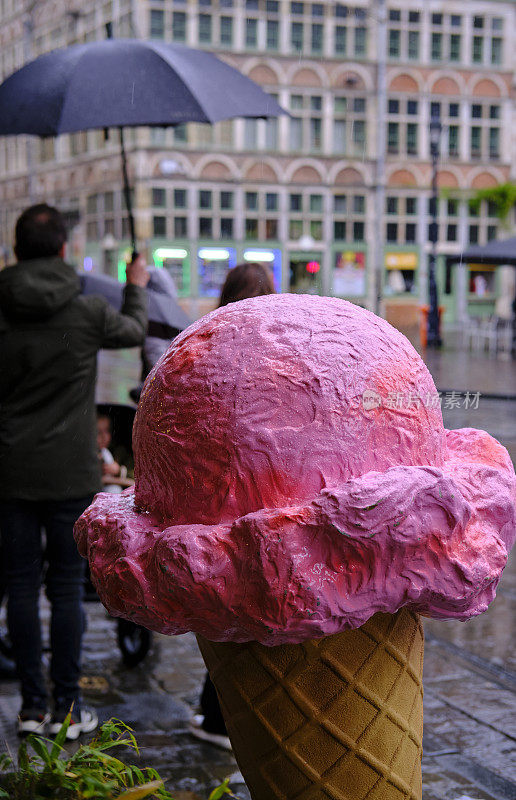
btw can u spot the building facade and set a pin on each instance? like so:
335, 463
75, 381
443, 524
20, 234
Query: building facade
296, 192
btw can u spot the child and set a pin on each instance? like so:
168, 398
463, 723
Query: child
114, 476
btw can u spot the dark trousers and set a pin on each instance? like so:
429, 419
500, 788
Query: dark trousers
21, 524
210, 707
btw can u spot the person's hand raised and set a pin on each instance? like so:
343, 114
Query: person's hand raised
137, 272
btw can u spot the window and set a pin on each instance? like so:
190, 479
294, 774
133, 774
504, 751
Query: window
157, 24
349, 125
340, 40
478, 22
340, 203
159, 197
412, 107
250, 134
296, 36
393, 137
360, 41
271, 201
412, 139
317, 38
180, 227
271, 228
316, 203
410, 232
205, 28
205, 227
226, 228
394, 106
226, 30
395, 15
413, 45
455, 40
204, 199
476, 142
453, 140
159, 225
437, 19
451, 232
496, 50
455, 20
392, 232
394, 43
251, 201
251, 33
391, 205
478, 49
295, 229
436, 47
358, 231
179, 26
180, 133
411, 206
271, 134
180, 198
359, 204
296, 202
339, 230
453, 110
413, 16
272, 34
494, 143
251, 229
226, 201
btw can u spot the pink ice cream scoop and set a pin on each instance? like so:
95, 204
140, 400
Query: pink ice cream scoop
293, 478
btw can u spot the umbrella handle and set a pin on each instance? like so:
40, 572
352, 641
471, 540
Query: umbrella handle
127, 195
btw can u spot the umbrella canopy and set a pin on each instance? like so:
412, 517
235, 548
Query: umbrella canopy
495, 252
126, 82
166, 317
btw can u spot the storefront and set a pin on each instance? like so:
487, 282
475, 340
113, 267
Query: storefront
213, 264
349, 278
401, 273
305, 272
272, 258
176, 260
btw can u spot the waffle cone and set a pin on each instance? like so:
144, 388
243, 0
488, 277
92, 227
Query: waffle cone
339, 717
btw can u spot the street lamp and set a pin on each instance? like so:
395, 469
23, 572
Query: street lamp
433, 336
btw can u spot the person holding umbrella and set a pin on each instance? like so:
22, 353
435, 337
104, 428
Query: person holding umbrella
49, 470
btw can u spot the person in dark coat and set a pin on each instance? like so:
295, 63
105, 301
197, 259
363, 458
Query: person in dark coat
49, 468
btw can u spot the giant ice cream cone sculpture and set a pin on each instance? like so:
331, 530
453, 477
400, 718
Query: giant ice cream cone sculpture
297, 504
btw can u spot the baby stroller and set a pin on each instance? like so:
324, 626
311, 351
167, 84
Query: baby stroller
134, 641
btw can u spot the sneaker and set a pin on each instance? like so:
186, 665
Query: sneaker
32, 720
195, 727
84, 721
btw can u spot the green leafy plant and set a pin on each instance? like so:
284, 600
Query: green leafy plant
91, 773
503, 198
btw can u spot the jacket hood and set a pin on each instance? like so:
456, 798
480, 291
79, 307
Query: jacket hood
38, 288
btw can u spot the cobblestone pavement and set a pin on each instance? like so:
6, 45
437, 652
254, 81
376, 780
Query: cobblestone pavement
470, 668
470, 705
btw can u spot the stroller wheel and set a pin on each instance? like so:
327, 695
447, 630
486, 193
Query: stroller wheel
134, 642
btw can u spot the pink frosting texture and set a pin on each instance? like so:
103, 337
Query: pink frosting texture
293, 477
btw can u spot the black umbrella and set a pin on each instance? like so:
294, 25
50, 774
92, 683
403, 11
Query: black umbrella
166, 317
126, 82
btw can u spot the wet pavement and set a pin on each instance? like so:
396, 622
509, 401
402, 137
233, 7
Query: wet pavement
470, 668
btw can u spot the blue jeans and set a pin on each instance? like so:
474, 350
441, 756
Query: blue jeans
21, 524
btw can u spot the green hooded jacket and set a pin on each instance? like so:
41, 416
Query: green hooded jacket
50, 335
